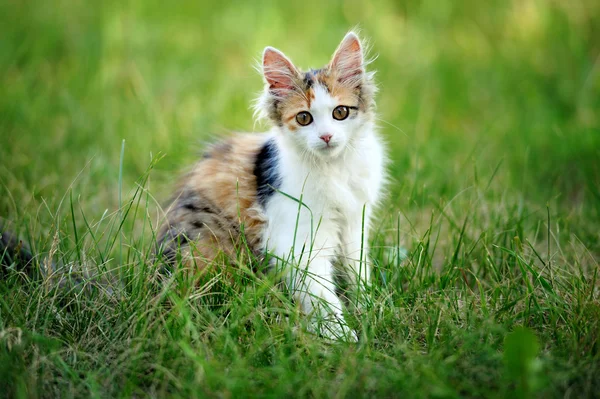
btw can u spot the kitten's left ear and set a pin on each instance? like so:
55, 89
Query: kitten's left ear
278, 70
348, 59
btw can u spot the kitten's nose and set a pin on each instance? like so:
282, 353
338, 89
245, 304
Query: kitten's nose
326, 137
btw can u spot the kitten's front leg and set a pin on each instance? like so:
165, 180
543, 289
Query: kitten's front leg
314, 288
309, 273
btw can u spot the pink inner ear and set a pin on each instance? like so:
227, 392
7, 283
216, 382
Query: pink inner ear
348, 58
278, 70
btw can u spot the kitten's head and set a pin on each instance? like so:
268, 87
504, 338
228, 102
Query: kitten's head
320, 111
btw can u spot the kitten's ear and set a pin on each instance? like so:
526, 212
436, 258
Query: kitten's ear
278, 70
348, 59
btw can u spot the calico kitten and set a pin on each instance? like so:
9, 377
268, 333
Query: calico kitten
303, 192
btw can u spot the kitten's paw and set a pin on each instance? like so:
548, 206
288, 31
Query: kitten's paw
334, 329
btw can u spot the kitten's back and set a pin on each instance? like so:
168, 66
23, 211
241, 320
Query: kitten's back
214, 200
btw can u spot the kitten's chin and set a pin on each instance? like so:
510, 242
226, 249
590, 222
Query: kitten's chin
328, 152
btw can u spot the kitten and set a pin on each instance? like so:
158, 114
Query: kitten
303, 192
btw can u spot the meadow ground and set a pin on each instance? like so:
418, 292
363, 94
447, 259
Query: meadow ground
491, 114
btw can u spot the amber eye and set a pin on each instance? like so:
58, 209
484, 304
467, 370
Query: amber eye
304, 118
340, 113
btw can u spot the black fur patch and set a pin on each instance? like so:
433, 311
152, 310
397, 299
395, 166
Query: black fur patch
171, 241
265, 170
193, 203
14, 252
313, 76
309, 80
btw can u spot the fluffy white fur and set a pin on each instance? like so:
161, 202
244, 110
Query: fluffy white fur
334, 183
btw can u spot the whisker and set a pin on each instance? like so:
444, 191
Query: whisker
392, 125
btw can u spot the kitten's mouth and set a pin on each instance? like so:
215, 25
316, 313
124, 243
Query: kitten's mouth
329, 149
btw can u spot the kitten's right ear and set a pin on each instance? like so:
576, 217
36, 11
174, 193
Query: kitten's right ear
279, 72
348, 59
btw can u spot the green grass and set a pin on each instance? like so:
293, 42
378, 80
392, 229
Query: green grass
491, 116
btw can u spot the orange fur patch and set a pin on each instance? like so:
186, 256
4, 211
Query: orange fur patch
344, 94
223, 181
292, 105
297, 102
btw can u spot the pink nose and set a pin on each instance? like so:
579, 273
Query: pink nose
326, 137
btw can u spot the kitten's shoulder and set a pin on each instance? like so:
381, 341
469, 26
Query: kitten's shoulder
225, 174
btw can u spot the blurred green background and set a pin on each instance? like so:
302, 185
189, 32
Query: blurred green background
513, 85
491, 115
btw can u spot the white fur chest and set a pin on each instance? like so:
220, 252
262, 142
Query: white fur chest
340, 187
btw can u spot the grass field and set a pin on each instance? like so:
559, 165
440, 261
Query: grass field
492, 117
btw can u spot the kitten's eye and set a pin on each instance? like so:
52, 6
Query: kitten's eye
304, 118
340, 113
